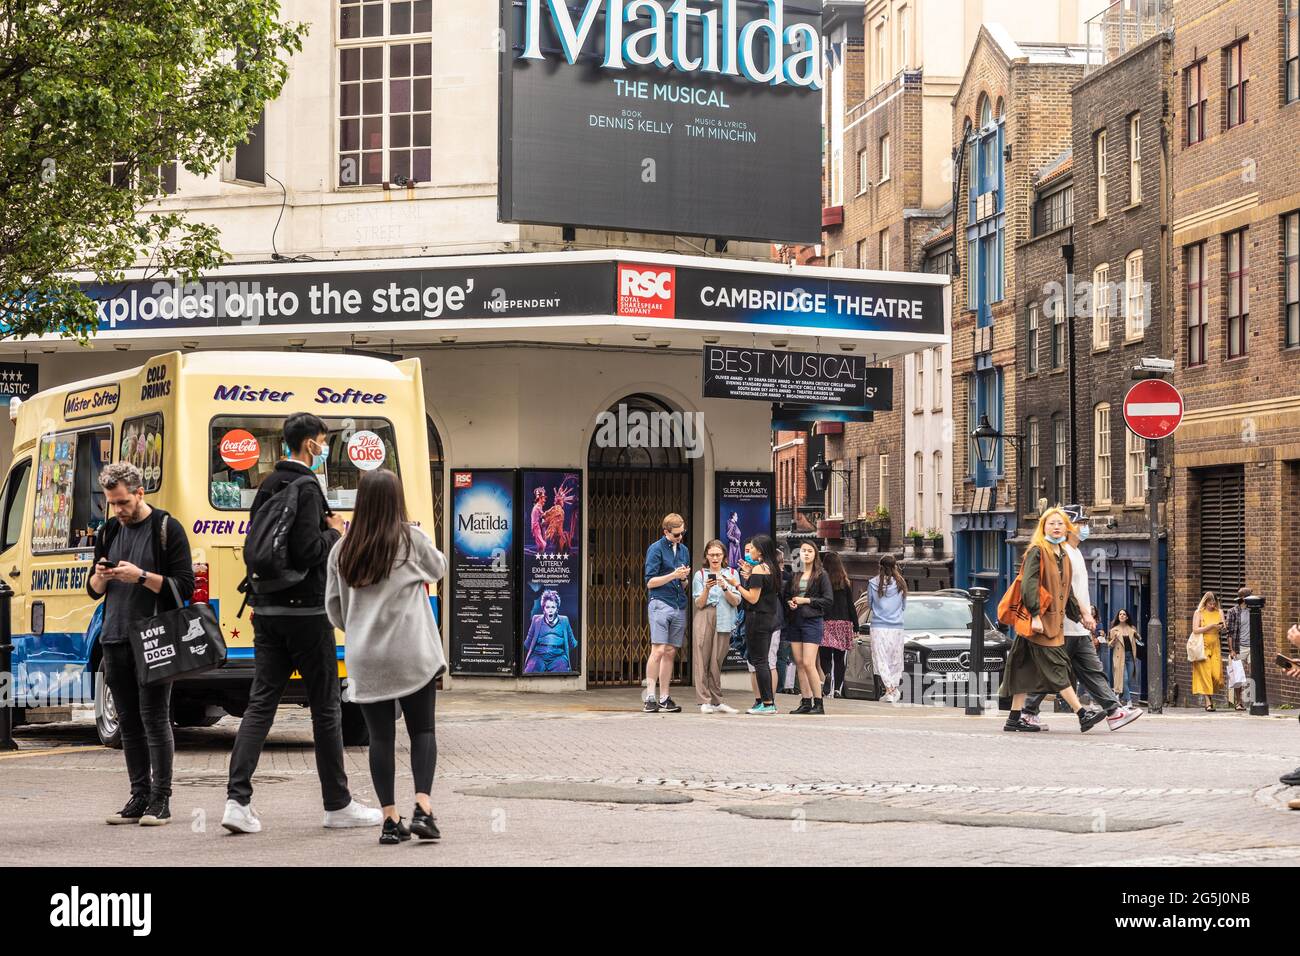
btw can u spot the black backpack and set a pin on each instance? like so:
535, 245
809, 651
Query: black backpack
266, 547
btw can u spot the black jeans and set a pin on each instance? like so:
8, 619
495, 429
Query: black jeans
758, 644
282, 645
144, 714
381, 721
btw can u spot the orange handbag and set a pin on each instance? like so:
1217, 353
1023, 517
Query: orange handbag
1013, 613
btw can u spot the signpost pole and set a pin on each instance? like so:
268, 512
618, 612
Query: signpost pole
1155, 630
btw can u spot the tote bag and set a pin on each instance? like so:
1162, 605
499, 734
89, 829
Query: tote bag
1196, 649
186, 640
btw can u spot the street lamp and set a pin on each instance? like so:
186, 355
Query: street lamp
986, 448
821, 473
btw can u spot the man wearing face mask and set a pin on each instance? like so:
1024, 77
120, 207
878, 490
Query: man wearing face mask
1078, 640
291, 632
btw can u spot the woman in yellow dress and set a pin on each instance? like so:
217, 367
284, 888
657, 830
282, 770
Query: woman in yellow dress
1207, 675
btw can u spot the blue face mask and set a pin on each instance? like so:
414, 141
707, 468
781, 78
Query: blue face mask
751, 561
1083, 532
318, 460
1055, 540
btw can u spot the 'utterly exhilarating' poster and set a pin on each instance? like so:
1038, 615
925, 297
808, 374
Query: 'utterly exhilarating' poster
483, 637
744, 505
551, 605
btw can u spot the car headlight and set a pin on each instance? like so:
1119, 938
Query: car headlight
911, 657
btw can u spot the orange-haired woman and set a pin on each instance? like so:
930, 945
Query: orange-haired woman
1040, 663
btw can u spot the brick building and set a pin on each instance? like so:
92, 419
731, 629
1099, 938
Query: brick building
1122, 130
1011, 121
1236, 292
888, 204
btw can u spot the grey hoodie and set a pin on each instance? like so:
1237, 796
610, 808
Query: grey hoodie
393, 647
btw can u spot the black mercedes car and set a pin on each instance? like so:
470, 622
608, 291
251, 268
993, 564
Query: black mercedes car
936, 657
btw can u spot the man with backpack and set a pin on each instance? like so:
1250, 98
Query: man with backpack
141, 553
291, 532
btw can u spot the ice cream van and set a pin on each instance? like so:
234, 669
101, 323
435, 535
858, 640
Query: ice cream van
205, 429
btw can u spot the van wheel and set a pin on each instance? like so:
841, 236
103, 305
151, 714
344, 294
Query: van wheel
106, 723
355, 733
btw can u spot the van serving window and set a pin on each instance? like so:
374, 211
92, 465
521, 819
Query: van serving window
69, 502
245, 449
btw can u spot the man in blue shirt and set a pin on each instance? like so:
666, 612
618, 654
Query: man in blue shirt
667, 567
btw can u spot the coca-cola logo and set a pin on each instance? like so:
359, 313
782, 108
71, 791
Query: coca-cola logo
239, 449
366, 451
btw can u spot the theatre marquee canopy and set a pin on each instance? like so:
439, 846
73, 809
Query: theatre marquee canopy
543, 296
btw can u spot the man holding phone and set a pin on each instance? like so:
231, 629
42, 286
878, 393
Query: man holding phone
1291, 666
667, 568
140, 549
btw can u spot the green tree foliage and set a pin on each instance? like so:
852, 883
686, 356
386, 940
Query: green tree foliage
98, 96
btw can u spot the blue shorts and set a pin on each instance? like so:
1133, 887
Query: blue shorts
807, 631
667, 623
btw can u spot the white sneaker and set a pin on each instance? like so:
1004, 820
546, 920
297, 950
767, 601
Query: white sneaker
1123, 717
354, 815
724, 709
240, 819
1033, 719
707, 708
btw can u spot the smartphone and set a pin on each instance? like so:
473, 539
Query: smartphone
105, 563
710, 576
1285, 662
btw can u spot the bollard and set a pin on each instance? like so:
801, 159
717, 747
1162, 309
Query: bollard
1255, 605
978, 596
8, 687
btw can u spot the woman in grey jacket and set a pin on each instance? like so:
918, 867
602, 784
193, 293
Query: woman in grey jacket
376, 592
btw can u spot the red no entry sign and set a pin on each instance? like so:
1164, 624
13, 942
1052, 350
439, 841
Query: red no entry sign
1153, 409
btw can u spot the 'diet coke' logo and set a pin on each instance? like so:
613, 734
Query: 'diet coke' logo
366, 451
647, 291
239, 449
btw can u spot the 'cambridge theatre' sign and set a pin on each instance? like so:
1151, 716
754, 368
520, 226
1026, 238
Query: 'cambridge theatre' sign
663, 116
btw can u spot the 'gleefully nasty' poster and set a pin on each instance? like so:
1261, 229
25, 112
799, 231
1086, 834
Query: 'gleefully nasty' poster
551, 605
745, 507
483, 600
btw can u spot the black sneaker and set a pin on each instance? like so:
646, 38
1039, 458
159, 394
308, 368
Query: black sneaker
131, 813
1021, 726
668, 706
395, 831
424, 825
805, 707
1089, 719
157, 814
1291, 779
651, 706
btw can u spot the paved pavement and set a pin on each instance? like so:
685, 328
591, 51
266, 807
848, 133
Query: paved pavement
586, 779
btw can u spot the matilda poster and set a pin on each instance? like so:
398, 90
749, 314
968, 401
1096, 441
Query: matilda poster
482, 572
551, 605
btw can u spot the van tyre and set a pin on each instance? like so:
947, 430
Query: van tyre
106, 723
355, 732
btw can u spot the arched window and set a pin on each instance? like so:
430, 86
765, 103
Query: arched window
986, 112
639, 432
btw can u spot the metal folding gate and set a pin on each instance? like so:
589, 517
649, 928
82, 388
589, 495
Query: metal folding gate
625, 509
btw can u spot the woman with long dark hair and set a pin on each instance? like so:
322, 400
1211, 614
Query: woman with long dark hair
840, 628
761, 573
1124, 644
377, 594
887, 594
808, 598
